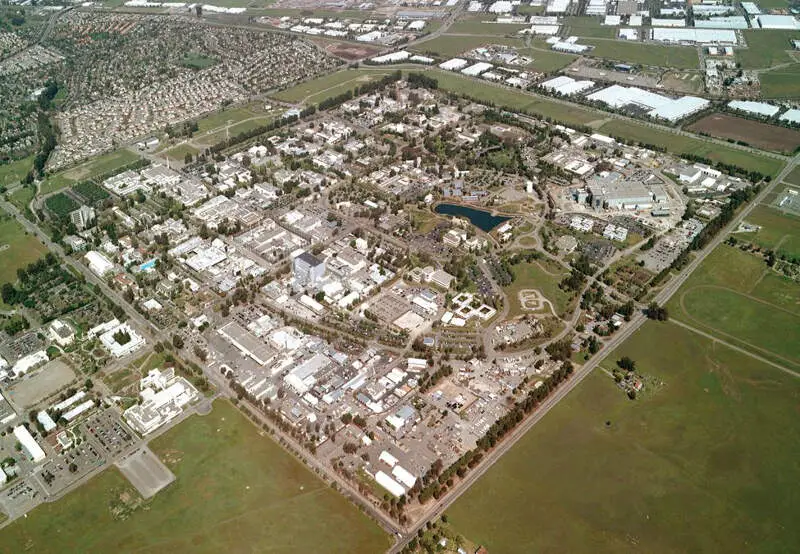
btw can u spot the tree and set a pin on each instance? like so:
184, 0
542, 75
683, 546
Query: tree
626, 363
656, 312
177, 341
187, 159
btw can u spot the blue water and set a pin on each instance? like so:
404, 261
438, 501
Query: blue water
148, 265
481, 219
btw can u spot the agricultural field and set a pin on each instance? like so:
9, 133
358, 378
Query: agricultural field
793, 177
15, 171
88, 170
17, 249
704, 460
754, 133
542, 277
673, 57
236, 491
726, 304
90, 192
679, 144
781, 83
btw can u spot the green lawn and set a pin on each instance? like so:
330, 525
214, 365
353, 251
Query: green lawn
675, 57
777, 229
15, 171
179, 152
196, 60
679, 144
706, 462
88, 170
17, 249
533, 276
727, 304
236, 492
781, 83
766, 48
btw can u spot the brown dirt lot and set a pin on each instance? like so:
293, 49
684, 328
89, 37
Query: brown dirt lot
754, 133
351, 52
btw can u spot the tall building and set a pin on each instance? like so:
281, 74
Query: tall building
82, 217
307, 269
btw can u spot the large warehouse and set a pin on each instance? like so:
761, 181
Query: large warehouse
656, 105
694, 36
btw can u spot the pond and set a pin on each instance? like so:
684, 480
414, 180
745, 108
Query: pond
481, 219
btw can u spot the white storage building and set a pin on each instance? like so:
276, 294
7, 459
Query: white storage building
454, 64
679, 109
476, 69
566, 85
792, 116
724, 22
390, 484
98, 263
28, 443
392, 57
756, 108
694, 36
786, 22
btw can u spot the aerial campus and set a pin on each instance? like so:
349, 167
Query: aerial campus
424, 276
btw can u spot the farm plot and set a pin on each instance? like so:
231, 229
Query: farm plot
754, 133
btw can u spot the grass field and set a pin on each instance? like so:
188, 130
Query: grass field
675, 57
781, 83
793, 177
779, 231
544, 278
179, 152
17, 249
196, 60
726, 304
485, 29
330, 85
15, 171
681, 144
589, 27
88, 170
766, 48
235, 492
22, 197
707, 462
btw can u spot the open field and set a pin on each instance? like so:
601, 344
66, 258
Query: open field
349, 51
330, 85
88, 170
679, 144
674, 57
793, 177
781, 83
779, 231
589, 27
22, 197
544, 278
15, 171
235, 492
724, 303
485, 28
754, 133
179, 152
766, 48
17, 249
705, 462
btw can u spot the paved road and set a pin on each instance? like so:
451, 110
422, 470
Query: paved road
580, 374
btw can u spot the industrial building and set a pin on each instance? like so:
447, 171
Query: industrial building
566, 86
694, 36
98, 263
163, 398
785, 22
756, 108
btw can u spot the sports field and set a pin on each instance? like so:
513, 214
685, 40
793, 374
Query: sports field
675, 57
754, 133
17, 248
730, 297
236, 491
704, 460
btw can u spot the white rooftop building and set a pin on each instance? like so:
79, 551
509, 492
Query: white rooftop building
121, 340
757, 108
163, 398
98, 263
29, 444
786, 22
